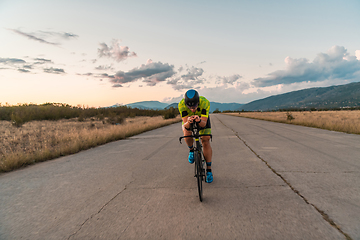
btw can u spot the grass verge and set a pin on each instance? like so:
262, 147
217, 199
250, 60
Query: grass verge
39, 141
341, 121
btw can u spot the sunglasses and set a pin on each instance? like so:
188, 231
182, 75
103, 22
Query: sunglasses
193, 107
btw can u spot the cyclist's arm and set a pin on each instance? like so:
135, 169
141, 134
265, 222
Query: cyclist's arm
186, 122
203, 121
204, 113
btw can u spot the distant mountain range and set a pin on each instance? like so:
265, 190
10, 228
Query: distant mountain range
216, 106
148, 105
159, 105
342, 96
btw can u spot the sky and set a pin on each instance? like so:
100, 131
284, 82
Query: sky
100, 53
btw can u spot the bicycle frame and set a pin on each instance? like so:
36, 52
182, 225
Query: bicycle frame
198, 153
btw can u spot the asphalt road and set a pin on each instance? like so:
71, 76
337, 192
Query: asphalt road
271, 181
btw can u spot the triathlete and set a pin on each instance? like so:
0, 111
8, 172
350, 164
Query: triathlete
196, 108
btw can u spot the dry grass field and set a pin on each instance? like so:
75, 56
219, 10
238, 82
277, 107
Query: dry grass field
342, 121
38, 141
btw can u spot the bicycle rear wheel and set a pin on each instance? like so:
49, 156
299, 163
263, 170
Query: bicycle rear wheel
199, 174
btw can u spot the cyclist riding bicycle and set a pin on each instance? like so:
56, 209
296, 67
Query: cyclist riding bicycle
196, 108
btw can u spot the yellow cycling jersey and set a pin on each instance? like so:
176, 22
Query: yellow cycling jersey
201, 111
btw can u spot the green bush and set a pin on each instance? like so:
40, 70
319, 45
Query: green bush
81, 118
114, 119
100, 117
170, 113
289, 116
16, 120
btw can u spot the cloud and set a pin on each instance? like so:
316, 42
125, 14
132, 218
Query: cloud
42, 36
11, 61
42, 61
14, 64
173, 99
32, 64
56, 35
64, 35
151, 73
193, 73
191, 78
233, 94
105, 75
104, 67
32, 37
116, 52
357, 54
85, 74
187, 85
335, 64
23, 70
228, 80
54, 70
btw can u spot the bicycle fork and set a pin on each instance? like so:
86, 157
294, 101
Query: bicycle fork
201, 161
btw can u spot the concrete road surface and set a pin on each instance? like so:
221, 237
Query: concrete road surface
271, 181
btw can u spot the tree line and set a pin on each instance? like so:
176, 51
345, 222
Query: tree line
21, 114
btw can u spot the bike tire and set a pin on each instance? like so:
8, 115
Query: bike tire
203, 164
199, 174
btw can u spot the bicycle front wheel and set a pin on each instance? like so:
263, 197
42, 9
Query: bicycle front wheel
199, 174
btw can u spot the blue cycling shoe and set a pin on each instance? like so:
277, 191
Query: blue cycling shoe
191, 157
209, 177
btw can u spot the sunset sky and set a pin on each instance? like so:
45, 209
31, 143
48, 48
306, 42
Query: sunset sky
100, 53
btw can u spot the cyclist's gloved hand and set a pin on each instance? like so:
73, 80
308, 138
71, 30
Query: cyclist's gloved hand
190, 120
197, 118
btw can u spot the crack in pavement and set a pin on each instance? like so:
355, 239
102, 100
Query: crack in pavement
132, 220
102, 208
323, 214
157, 150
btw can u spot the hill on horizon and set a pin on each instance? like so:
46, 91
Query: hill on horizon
341, 96
216, 106
156, 105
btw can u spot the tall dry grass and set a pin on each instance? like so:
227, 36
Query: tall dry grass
38, 141
341, 121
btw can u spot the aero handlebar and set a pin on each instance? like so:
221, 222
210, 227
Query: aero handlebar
192, 136
195, 126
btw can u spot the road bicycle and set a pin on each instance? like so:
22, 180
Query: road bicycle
199, 158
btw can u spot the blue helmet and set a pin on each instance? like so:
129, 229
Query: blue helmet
191, 98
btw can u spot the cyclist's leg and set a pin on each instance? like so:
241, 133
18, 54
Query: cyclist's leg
189, 141
207, 151
205, 140
208, 156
